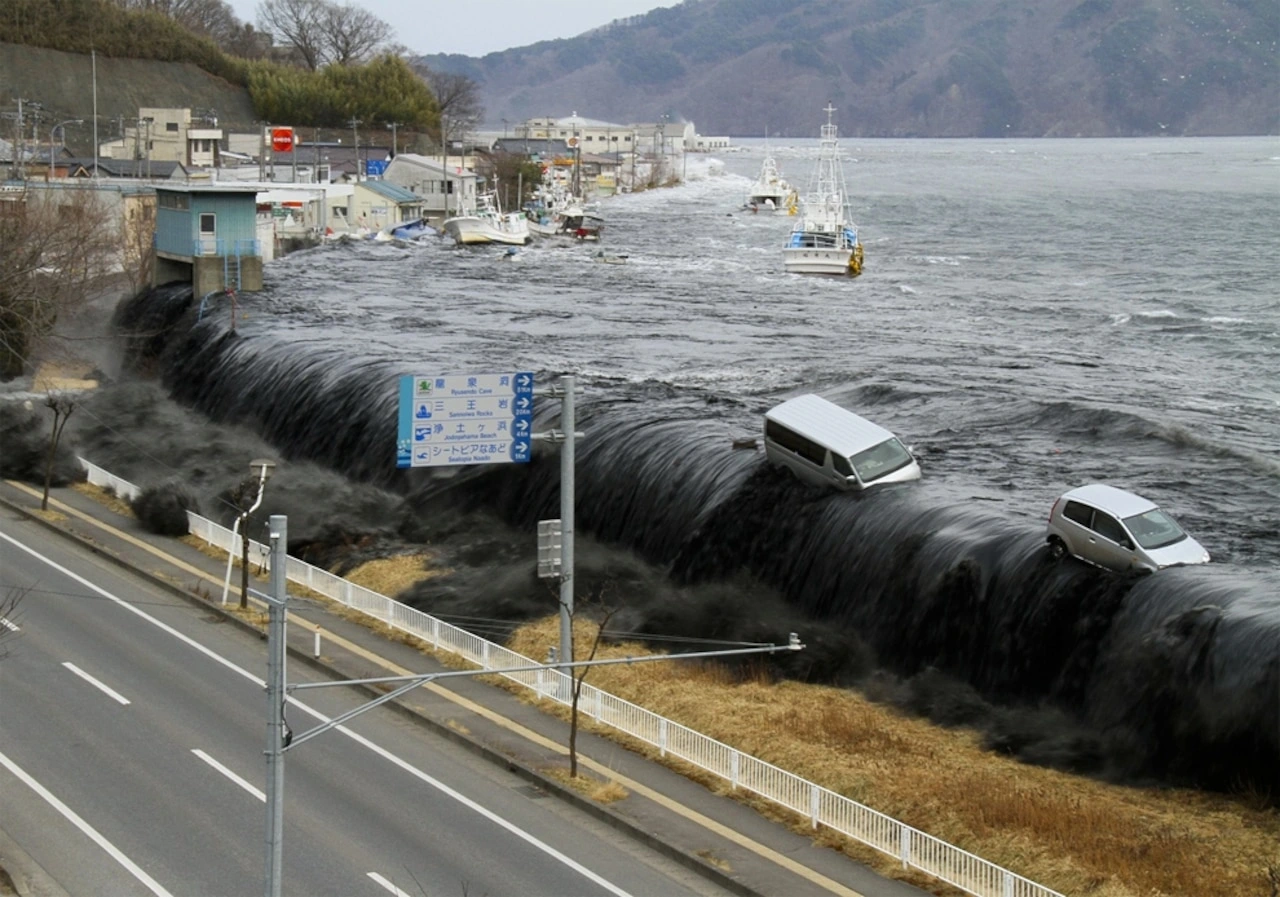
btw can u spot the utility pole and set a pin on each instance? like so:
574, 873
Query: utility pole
279, 691
262, 150
148, 121
355, 143
93, 56
394, 146
444, 163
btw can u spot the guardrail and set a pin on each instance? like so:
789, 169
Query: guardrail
913, 848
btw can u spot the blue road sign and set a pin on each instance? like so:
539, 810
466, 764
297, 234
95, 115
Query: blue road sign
375, 167
465, 419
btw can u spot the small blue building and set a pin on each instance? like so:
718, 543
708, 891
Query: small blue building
208, 234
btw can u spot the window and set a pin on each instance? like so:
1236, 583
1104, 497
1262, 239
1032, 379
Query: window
881, 460
842, 465
179, 201
171, 127
1109, 528
1081, 514
1154, 529
793, 441
208, 224
340, 211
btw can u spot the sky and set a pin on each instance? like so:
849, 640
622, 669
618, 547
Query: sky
484, 26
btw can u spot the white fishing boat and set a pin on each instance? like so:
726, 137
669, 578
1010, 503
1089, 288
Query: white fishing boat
825, 239
771, 192
488, 224
557, 212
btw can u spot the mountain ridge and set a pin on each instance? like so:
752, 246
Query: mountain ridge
908, 68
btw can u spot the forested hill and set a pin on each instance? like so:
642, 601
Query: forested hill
928, 68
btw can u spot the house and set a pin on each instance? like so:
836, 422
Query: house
379, 205
137, 169
441, 190
208, 234
167, 135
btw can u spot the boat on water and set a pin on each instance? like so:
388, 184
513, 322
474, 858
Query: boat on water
825, 238
560, 213
412, 230
771, 192
488, 224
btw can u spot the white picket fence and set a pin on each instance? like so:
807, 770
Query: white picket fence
913, 848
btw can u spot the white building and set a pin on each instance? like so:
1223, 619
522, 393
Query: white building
428, 178
167, 135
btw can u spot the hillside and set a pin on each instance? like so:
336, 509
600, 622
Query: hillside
909, 68
63, 84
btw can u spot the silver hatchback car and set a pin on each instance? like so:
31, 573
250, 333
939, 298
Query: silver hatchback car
1119, 530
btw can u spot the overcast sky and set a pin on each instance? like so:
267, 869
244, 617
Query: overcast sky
478, 27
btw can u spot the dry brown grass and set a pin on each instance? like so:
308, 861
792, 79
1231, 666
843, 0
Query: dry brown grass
102, 496
391, 576
1073, 834
604, 791
1076, 835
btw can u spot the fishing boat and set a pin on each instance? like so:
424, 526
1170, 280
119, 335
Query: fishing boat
825, 238
771, 192
488, 224
556, 212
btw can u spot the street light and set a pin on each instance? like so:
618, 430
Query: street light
53, 130
262, 468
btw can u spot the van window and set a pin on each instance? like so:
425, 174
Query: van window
842, 465
880, 460
1108, 527
793, 441
1080, 513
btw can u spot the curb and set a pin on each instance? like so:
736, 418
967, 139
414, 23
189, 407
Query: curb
602, 813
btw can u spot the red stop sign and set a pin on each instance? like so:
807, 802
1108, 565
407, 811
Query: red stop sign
282, 139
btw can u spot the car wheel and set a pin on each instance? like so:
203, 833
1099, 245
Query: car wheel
1057, 549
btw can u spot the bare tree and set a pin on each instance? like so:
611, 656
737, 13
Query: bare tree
457, 97
322, 32
298, 23
352, 34
55, 250
61, 404
579, 674
214, 19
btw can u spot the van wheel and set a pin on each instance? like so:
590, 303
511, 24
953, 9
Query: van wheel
1057, 549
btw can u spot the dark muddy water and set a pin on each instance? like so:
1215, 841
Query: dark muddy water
1033, 315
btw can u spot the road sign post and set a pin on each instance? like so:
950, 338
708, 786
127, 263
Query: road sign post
465, 419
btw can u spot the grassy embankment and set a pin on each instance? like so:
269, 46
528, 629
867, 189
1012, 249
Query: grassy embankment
1073, 834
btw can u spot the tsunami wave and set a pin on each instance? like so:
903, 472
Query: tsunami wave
947, 607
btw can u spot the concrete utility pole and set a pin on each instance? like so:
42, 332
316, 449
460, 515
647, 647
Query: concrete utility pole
279, 691
392, 126
355, 145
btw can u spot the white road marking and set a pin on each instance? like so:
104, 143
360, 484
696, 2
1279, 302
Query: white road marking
229, 774
115, 853
380, 751
389, 886
105, 689
8, 624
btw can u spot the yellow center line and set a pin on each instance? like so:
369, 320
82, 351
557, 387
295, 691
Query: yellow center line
657, 797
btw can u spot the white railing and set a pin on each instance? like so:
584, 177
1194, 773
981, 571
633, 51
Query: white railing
821, 806
100, 477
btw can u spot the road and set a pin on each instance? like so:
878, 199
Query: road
132, 729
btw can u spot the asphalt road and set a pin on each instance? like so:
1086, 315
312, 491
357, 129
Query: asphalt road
132, 729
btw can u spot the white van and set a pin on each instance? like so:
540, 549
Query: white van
825, 444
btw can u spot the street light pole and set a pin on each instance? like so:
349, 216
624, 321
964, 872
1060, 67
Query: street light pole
54, 130
277, 610
263, 467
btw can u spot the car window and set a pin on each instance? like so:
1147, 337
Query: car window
1108, 527
1081, 514
881, 460
1154, 529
